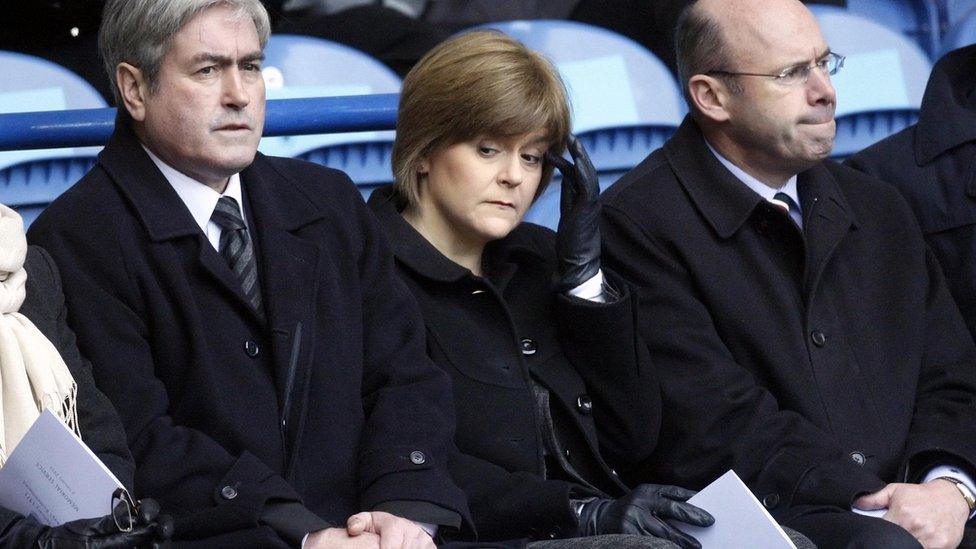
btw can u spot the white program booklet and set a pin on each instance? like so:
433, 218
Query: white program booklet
740, 520
54, 478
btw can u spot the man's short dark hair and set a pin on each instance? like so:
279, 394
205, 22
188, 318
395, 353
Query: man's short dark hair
700, 47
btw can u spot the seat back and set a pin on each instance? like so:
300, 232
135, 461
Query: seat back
623, 97
30, 179
916, 19
882, 82
962, 33
303, 66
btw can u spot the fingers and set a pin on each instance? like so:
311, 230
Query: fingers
564, 166
359, 523
688, 513
877, 500
676, 493
148, 510
584, 166
654, 526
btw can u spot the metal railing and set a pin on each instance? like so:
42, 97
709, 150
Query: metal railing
85, 127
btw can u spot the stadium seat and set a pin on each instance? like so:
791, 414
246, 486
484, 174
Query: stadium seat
962, 33
916, 19
880, 88
302, 66
623, 97
30, 179
954, 10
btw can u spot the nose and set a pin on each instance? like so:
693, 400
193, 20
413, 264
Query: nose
819, 88
512, 172
235, 93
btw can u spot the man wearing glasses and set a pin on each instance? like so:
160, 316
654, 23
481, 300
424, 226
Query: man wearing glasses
802, 330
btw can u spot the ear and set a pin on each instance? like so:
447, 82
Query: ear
133, 90
710, 96
423, 166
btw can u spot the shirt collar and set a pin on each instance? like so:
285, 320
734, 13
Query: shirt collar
760, 188
198, 197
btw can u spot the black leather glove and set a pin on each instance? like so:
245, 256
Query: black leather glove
149, 529
644, 512
578, 233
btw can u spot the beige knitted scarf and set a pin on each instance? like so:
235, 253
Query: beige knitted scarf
33, 377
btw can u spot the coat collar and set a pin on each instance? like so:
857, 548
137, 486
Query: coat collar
502, 257
727, 203
160, 209
409, 246
948, 116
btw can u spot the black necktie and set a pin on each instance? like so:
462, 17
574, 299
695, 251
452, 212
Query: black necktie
237, 249
789, 206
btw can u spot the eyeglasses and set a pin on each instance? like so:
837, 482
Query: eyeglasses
829, 64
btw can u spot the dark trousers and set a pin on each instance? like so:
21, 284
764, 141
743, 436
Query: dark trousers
834, 527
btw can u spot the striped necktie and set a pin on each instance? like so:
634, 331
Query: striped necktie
789, 207
237, 249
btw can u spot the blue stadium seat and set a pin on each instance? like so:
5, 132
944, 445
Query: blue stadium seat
880, 88
916, 19
623, 96
962, 33
30, 179
954, 10
302, 66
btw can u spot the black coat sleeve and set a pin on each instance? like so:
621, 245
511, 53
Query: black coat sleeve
602, 342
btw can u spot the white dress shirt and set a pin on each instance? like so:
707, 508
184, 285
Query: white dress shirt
201, 199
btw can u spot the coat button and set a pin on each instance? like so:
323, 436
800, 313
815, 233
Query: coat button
770, 501
858, 458
529, 347
584, 404
228, 492
418, 457
251, 348
818, 337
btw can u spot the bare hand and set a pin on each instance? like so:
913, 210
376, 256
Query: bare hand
394, 532
339, 537
934, 512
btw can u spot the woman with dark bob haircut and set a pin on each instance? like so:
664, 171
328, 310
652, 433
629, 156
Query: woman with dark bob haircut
551, 384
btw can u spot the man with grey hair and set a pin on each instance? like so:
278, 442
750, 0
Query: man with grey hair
241, 311
802, 330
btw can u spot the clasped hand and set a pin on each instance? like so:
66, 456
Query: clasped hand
934, 512
373, 530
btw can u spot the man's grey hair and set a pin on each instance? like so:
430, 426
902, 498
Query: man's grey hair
139, 32
700, 47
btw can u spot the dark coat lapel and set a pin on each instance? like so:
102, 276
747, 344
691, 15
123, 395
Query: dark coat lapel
727, 203
158, 207
827, 218
289, 267
724, 201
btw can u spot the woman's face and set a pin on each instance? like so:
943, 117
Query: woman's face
479, 190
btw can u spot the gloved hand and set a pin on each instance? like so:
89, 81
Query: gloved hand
578, 233
149, 529
644, 512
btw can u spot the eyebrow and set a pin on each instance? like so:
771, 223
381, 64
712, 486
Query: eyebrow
224, 60
805, 62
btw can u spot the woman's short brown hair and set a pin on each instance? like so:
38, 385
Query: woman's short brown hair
481, 83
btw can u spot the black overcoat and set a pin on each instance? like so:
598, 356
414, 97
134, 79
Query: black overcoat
491, 334
100, 426
817, 364
933, 164
332, 402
